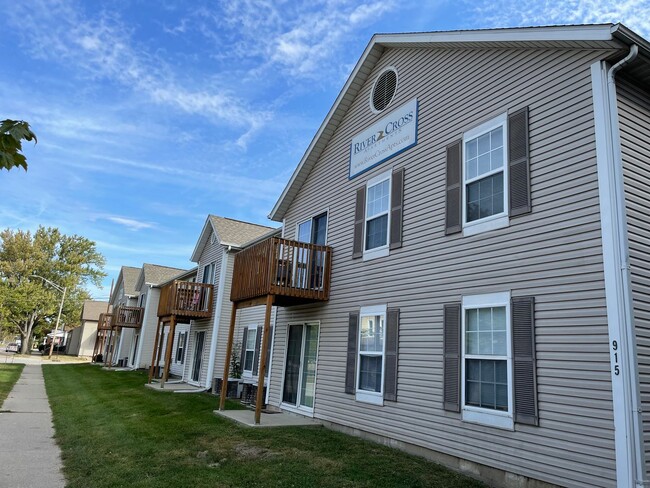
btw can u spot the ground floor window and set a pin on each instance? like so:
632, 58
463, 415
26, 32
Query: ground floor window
249, 350
372, 327
487, 363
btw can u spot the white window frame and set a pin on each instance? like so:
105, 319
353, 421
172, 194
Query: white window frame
180, 347
249, 372
311, 219
496, 221
384, 250
376, 398
494, 418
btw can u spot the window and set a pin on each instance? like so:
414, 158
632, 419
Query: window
208, 273
249, 350
180, 348
484, 177
309, 264
486, 363
143, 300
376, 217
372, 329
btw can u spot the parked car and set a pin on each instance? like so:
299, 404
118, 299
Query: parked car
11, 347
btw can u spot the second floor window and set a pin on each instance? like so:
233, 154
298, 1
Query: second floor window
484, 172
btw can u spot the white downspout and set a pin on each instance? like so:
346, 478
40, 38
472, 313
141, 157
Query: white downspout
628, 434
217, 317
634, 425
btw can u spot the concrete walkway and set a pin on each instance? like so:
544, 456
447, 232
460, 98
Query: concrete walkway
29, 457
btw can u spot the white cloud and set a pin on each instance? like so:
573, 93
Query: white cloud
103, 47
635, 14
130, 224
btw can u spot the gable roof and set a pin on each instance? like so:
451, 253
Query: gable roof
156, 274
130, 278
230, 232
92, 308
600, 36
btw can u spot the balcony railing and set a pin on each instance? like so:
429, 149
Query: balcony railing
295, 272
186, 299
128, 317
104, 322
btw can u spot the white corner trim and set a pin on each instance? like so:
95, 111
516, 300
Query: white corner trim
629, 454
143, 329
217, 317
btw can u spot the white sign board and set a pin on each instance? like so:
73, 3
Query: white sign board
393, 134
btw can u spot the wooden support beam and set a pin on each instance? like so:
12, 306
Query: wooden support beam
263, 353
168, 352
111, 347
155, 350
226, 366
160, 347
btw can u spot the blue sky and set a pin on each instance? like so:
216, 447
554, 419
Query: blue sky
150, 114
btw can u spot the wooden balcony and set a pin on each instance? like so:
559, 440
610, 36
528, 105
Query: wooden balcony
186, 300
129, 317
105, 321
293, 272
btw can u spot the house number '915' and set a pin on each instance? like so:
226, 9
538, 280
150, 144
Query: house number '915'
617, 369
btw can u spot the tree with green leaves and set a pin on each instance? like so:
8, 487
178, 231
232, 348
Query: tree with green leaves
27, 302
12, 133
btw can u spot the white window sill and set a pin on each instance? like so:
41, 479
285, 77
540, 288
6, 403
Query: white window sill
247, 374
486, 225
379, 252
370, 397
500, 420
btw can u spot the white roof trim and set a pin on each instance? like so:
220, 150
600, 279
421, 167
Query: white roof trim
196, 254
572, 33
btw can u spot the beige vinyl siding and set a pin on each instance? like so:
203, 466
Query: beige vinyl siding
88, 338
176, 368
149, 326
212, 253
224, 319
553, 254
634, 124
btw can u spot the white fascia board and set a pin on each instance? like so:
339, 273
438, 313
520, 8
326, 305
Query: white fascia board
196, 254
601, 32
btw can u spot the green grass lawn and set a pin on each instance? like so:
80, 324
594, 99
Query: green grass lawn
115, 432
9, 374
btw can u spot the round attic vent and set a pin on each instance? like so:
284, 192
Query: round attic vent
384, 89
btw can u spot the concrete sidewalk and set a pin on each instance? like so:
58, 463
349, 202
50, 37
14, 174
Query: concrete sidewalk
29, 457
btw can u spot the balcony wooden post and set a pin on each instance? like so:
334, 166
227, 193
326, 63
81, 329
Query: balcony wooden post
226, 366
263, 352
96, 346
155, 350
168, 352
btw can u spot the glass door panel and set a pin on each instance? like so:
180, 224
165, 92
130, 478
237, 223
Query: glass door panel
300, 368
198, 355
308, 383
292, 366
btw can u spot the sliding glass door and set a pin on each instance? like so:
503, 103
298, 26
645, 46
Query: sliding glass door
300, 366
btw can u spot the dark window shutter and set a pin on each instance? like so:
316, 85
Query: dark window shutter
523, 349
256, 357
359, 220
351, 367
451, 347
454, 209
243, 348
268, 352
396, 205
391, 349
519, 167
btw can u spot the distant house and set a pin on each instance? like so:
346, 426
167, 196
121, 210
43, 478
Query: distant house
137, 350
81, 339
204, 304
152, 279
464, 270
125, 319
